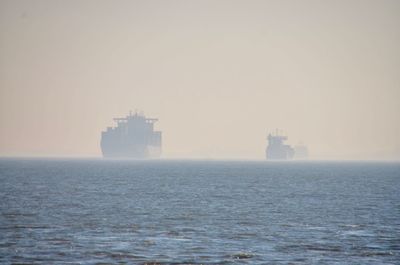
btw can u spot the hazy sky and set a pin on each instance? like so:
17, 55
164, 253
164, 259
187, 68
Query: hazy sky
218, 74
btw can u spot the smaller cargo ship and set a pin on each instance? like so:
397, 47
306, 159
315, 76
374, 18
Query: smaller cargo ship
276, 149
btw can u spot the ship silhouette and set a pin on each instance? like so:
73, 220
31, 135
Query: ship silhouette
276, 149
133, 137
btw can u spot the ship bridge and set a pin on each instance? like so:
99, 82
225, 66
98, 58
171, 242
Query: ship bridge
139, 116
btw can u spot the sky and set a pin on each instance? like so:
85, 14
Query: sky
219, 75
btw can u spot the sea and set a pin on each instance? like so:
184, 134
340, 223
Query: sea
95, 211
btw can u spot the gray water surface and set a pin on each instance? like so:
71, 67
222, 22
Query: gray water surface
199, 212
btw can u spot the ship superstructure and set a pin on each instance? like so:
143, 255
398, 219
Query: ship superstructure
276, 149
133, 137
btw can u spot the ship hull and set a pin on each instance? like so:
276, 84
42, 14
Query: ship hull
110, 149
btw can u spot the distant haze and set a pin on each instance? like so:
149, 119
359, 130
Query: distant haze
219, 75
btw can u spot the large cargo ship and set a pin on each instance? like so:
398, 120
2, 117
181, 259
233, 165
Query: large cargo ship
133, 137
276, 149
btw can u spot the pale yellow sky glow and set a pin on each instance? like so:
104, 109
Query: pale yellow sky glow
218, 74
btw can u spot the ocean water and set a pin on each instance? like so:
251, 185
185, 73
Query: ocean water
198, 212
